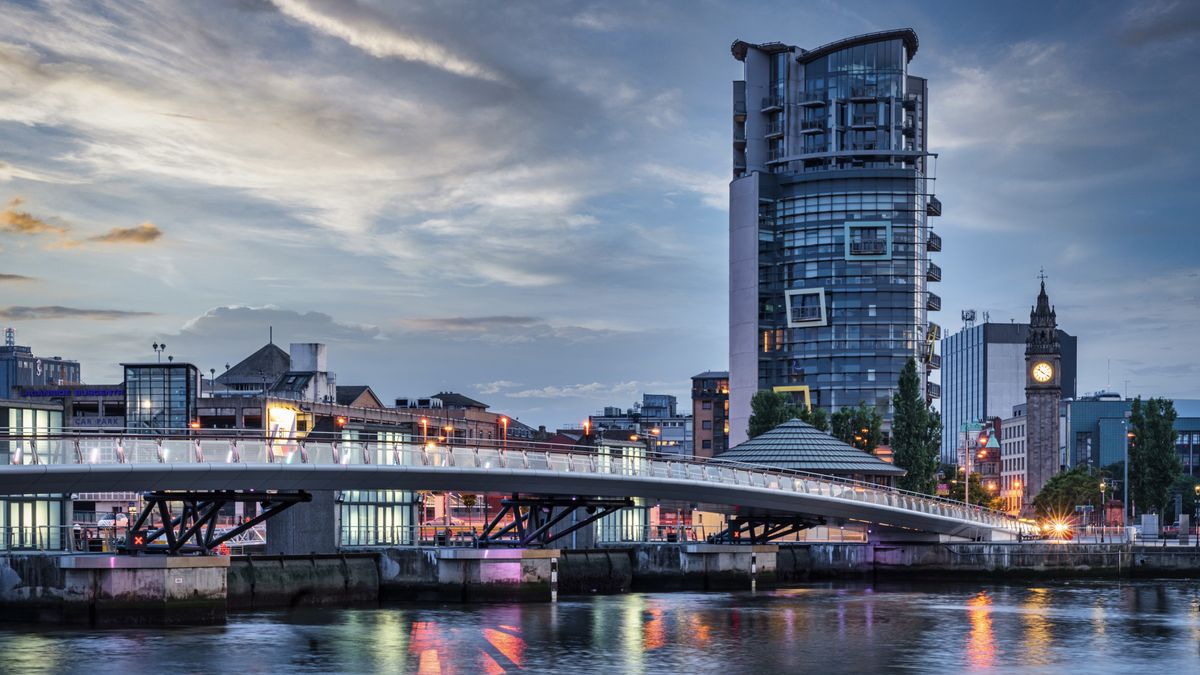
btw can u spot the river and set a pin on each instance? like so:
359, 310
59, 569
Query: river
1083, 627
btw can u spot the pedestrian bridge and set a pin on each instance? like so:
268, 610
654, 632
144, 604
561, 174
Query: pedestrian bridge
100, 463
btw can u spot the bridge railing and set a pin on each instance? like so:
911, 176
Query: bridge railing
479, 454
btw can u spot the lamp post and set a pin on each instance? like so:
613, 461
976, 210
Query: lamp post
1103, 515
158, 349
424, 431
1125, 484
504, 425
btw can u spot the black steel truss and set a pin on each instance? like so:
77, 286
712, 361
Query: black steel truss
193, 529
534, 519
763, 529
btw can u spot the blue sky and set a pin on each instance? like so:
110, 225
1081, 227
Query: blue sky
526, 202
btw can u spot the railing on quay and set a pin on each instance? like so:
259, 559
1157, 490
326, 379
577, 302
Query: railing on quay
212, 447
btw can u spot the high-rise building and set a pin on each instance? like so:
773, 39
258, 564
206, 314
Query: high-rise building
983, 377
828, 234
710, 413
1043, 391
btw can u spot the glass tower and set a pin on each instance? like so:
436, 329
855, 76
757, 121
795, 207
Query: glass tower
160, 396
829, 231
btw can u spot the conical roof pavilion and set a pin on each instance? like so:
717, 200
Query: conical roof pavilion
800, 446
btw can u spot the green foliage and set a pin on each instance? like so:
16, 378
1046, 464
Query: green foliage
769, 409
1153, 463
916, 433
860, 426
1066, 490
979, 494
1185, 486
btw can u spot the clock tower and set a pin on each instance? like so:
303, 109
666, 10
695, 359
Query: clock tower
1043, 391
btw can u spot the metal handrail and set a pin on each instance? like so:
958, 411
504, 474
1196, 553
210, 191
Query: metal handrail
241, 449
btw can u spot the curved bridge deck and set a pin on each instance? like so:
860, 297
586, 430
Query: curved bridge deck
94, 463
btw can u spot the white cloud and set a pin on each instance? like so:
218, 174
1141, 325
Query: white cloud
369, 32
488, 388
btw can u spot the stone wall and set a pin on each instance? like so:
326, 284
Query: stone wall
259, 582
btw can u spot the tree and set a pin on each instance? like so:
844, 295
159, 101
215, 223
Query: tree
769, 409
979, 494
1066, 490
1153, 463
916, 433
860, 426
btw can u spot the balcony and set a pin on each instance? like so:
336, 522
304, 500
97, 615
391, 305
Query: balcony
774, 129
863, 93
739, 136
933, 361
868, 247
934, 244
776, 155
739, 109
812, 103
910, 102
933, 207
933, 273
772, 103
934, 303
864, 122
810, 126
933, 390
909, 127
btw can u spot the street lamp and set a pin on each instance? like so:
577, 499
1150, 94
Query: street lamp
158, 349
449, 429
424, 431
504, 423
1103, 515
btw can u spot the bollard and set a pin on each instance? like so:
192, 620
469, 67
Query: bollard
554, 580
753, 571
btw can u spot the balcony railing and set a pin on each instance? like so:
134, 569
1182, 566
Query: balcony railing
935, 243
934, 303
933, 207
863, 93
934, 361
934, 390
864, 121
774, 129
775, 154
772, 103
933, 273
739, 135
806, 313
813, 125
868, 247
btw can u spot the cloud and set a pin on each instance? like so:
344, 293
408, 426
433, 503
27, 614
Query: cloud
1155, 22
588, 390
713, 188
21, 222
496, 387
254, 324
57, 312
369, 31
145, 233
472, 324
14, 277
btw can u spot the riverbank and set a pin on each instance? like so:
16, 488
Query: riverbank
105, 589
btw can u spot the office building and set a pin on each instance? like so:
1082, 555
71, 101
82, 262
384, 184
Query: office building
656, 418
983, 377
20, 368
829, 237
710, 413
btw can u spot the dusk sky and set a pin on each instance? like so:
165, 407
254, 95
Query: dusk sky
527, 202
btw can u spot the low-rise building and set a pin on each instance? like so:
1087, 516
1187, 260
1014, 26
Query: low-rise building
710, 413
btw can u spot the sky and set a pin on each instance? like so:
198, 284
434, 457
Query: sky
527, 202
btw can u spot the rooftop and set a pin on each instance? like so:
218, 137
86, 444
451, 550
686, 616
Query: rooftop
800, 446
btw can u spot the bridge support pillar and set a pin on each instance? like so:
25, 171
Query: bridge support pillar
307, 528
497, 574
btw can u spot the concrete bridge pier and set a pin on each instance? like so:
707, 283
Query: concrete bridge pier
704, 566
496, 574
113, 590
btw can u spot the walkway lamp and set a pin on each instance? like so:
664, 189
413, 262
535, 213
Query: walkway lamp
504, 424
424, 430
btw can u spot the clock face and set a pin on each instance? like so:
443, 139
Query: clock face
1042, 371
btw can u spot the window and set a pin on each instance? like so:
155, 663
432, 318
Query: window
706, 425
806, 307
706, 445
706, 405
868, 240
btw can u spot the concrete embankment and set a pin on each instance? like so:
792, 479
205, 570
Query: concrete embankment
120, 590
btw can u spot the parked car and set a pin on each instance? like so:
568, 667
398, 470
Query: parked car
113, 520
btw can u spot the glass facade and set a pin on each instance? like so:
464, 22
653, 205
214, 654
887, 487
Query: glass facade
32, 521
378, 517
160, 397
842, 205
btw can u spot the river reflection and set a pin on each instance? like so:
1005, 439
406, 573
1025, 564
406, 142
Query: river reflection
1082, 628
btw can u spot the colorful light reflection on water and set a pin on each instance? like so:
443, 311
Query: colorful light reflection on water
1085, 627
